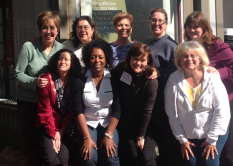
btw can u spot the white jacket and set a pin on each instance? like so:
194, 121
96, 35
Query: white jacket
211, 117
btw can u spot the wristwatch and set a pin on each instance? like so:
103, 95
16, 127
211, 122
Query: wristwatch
108, 135
141, 137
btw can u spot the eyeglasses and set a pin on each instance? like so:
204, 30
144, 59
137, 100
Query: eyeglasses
185, 57
79, 28
160, 21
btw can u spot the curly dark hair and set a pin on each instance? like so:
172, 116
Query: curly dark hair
75, 68
103, 45
140, 49
73, 35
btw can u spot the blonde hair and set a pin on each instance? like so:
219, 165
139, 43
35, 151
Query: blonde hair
191, 46
47, 15
119, 16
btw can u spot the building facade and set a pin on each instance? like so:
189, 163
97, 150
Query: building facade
20, 17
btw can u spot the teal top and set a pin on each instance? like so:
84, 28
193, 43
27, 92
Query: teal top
31, 62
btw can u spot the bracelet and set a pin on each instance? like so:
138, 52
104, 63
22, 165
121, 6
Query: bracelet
141, 137
86, 137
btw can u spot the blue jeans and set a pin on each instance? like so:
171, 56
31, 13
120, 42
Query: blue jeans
226, 158
100, 156
198, 159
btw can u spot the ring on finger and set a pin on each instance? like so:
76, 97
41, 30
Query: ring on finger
86, 151
113, 147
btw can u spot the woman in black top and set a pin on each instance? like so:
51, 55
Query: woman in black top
136, 96
94, 108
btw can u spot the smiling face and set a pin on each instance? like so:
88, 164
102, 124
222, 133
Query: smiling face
64, 62
97, 60
158, 29
84, 31
48, 32
123, 28
190, 61
138, 63
194, 32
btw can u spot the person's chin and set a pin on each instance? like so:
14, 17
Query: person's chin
137, 71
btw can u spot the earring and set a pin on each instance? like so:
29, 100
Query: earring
107, 66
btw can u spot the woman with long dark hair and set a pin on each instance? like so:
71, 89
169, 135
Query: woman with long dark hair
54, 109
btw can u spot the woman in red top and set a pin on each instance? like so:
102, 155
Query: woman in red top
54, 114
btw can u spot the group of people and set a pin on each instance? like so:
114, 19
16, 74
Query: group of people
90, 102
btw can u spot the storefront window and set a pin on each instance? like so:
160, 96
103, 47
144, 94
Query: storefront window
103, 12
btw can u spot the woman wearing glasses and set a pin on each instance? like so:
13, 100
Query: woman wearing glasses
196, 103
84, 30
197, 28
163, 48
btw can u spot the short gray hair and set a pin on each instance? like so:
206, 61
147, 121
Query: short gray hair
188, 46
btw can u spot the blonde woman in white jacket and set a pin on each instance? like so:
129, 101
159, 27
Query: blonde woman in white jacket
196, 103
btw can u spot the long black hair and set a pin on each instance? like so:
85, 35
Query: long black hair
75, 67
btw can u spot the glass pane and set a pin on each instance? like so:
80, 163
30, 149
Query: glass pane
140, 9
1, 52
0, 16
7, 13
1, 33
103, 12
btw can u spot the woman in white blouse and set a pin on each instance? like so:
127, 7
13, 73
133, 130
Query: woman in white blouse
196, 103
94, 107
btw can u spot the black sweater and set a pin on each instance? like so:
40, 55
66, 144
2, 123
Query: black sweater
136, 100
163, 53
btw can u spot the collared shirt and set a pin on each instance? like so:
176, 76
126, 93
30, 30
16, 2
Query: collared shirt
97, 108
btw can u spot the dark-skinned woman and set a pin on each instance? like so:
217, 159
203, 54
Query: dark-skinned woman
94, 108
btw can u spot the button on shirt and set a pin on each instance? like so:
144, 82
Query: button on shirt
97, 104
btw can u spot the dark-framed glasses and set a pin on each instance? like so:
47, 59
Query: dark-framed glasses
160, 21
79, 28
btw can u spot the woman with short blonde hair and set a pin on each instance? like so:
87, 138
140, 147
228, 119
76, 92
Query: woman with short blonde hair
196, 48
123, 25
196, 103
197, 28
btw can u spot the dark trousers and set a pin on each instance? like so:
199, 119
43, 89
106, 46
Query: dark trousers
100, 156
226, 158
27, 112
169, 147
198, 159
47, 152
130, 154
